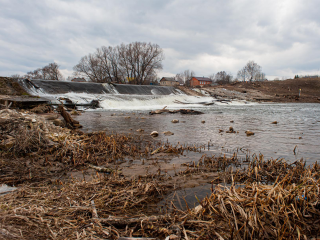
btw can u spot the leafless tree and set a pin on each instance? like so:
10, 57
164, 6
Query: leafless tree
179, 78
250, 72
16, 76
140, 61
49, 72
223, 77
109, 60
89, 67
185, 77
135, 62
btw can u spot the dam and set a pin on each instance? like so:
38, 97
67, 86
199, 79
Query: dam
108, 96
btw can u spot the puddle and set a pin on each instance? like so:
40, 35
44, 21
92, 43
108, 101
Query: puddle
5, 189
190, 196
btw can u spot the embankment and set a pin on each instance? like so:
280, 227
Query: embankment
272, 91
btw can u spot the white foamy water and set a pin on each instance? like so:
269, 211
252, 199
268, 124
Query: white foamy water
137, 102
110, 88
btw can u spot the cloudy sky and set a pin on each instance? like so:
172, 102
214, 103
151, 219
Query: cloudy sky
205, 36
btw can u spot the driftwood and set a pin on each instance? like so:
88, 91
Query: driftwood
183, 111
126, 221
188, 111
71, 123
159, 111
203, 103
101, 169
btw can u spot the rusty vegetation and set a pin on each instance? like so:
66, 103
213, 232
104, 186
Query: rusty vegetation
250, 198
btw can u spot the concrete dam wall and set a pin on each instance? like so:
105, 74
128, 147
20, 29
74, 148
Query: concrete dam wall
36, 87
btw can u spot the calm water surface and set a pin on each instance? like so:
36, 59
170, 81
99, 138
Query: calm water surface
298, 126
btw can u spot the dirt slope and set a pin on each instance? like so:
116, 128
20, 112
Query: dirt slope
9, 87
275, 91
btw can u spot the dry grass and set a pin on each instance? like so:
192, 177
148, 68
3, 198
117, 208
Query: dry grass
108, 207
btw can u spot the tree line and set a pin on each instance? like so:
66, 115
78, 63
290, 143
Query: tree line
48, 72
250, 72
134, 63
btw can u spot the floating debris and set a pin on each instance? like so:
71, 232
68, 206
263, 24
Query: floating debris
168, 133
231, 130
249, 133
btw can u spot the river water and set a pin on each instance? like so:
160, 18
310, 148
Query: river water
298, 126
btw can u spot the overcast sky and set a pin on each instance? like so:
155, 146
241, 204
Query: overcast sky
206, 36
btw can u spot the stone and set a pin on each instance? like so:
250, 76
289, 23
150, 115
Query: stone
34, 120
140, 130
220, 131
249, 133
168, 133
275, 122
231, 130
154, 134
175, 121
203, 121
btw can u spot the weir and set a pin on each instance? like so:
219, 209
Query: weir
36, 87
115, 96
109, 96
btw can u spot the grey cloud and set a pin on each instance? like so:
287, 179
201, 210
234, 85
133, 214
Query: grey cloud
279, 35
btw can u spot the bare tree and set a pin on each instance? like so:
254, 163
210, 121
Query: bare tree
188, 75
223, 77
49, 72
140, 61
90, 67
185, 77
16, 76
137, 62
110, 64
250, 72
36, 74
179, 78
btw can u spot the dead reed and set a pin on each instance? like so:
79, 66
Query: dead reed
289, 208
276, 199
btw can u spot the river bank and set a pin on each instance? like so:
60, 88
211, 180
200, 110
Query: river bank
304, 90
101, 185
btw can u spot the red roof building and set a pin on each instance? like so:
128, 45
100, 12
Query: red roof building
200, 81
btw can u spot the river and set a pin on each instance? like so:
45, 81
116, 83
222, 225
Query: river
297, 128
